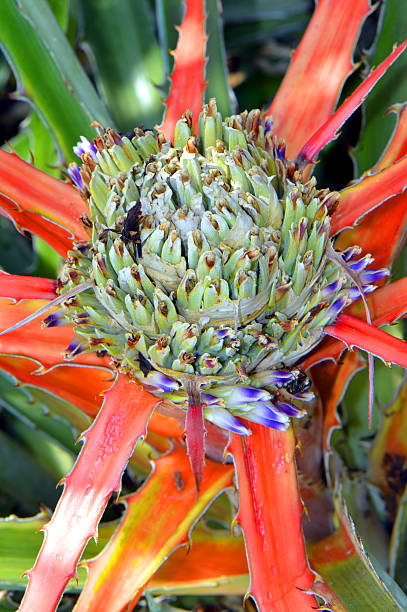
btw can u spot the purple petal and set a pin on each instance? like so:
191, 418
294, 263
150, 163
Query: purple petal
75, 175
223, 418
360, 264
351, 252
55, 320
289, 409
227, 332
209, 399
268, 125
281, 426
274, 377
75, 347
354, 294
281, 153
85, 146
332, 288
267, 410
337, 306
243, 395
161, 382
371, 276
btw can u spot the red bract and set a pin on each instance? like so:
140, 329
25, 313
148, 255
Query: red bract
270, 509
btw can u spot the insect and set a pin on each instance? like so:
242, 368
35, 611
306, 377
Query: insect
130, 232
300, 384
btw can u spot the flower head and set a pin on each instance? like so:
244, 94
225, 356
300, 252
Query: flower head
212, 264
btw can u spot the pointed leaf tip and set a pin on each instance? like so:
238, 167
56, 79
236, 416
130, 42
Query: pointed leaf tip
188, 78
318, 70
367, 337
329, 130
96, 474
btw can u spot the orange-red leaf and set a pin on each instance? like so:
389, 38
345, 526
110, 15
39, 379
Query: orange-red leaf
329, 130
212, 559
270, 514
331, 380
64, 381
388, 454
369, 192
26, 287
318, 69
149, 531
397, 147
55, 235
381, 232
44, 344
367, 337
386, 305
97, 472
188, 77
29, 195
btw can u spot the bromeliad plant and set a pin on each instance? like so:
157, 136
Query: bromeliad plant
204, 269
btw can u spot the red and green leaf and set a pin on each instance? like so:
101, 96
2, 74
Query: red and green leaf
26, 287
370, 192
375, 341
188, 78
33, 198
117, 576
317, 72
331, 380
213, 560
381, 232
343, 563
397, 147
270, 514
43, 344
108, 445
329, 130
64, 381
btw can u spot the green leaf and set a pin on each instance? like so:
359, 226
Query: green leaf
216, 70
392, 88
60, 8
359, 582
16, 252
22, 478
169, 14
20, 543
48, 71
398, 544
128, 60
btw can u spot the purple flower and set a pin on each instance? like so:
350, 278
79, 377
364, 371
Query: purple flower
75, 347
337, 306
360, 264
371, 276
273, 377
75, 175
54, 320
289, 409
244, 395
223, 418
156, 381
332, 288
85, 146
267, 411
210, 400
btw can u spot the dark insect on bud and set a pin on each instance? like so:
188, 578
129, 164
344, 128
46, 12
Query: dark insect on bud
130, 233
300, 384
